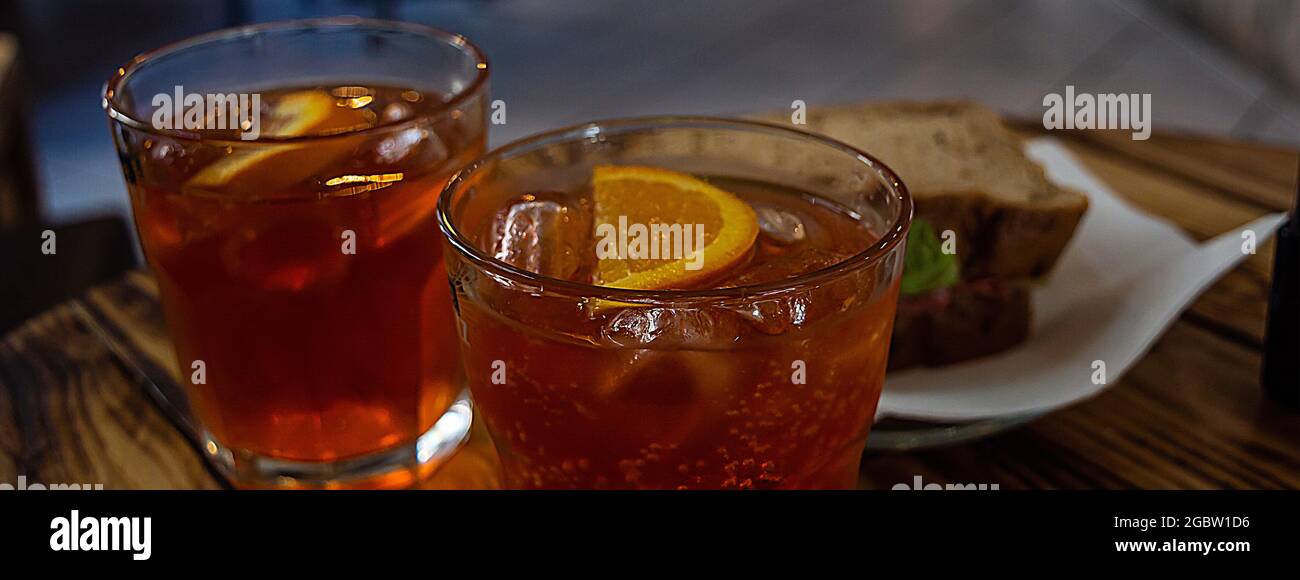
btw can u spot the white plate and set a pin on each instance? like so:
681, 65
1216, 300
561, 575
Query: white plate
1123, 279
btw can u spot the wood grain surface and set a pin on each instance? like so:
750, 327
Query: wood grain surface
88, 390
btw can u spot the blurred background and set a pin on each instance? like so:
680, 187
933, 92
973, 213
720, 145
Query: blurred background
1217, 67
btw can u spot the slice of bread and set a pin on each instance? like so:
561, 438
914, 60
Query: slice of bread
967, 173
966, 321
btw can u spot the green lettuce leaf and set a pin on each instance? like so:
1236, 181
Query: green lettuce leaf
925, 267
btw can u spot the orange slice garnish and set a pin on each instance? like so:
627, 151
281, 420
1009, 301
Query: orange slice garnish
651, 196
268, 167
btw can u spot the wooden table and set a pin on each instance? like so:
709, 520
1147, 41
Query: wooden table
88, 390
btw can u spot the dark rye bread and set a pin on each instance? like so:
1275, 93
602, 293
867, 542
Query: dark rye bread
966, 321
967, 173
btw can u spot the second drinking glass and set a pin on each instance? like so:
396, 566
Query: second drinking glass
283, 179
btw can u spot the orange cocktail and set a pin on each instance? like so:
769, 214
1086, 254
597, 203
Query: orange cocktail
300, 270
676, 303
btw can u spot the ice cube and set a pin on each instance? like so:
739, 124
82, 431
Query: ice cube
160, 221
685, 328
780, 312
168, 152
665, 396
414, 146
547, 233
779, 226
784, 267
777, 315
397, 111
288, 255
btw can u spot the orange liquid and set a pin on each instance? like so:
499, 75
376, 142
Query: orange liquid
686, 398
309, 351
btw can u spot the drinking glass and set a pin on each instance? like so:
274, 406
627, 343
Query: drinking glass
283, 180
769, 382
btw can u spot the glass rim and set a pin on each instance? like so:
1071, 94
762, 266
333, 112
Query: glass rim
119, 114
893, 236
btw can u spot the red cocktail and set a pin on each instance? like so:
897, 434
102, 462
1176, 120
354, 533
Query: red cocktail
752, 357
300, 270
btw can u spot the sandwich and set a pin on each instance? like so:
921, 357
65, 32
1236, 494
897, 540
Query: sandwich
988, 224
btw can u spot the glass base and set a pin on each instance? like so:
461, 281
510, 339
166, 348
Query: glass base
398, 466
